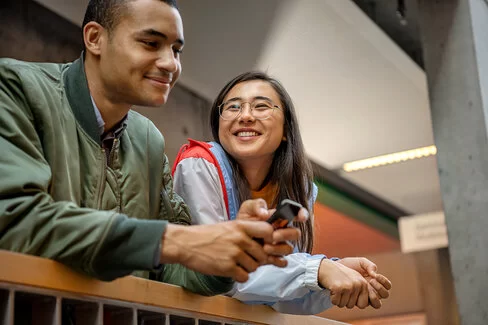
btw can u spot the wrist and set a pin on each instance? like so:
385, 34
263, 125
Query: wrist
172, 246
323, 271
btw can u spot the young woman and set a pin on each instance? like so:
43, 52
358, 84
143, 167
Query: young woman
258, 153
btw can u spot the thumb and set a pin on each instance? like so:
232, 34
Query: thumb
369, 266
256, 208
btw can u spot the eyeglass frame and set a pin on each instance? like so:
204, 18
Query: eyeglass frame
250, 108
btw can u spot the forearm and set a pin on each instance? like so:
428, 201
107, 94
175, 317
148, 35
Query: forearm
90, 241
293, 289
193, 281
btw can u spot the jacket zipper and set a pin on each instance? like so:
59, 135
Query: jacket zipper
102, 180
167, 203
111, 154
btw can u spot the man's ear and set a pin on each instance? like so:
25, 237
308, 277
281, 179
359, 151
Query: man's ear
93, 36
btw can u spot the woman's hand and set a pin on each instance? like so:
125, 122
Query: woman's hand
261, 212
379, 285
347, 287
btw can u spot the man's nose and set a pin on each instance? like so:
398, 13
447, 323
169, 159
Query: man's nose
167, 61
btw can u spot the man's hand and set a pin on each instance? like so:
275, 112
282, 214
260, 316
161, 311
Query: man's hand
379, 285
228, 248
347, 287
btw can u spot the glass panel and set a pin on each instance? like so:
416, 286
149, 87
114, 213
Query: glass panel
145, 317
208, 322
180, 320
33, 309
116, 315
4, 313
78, 312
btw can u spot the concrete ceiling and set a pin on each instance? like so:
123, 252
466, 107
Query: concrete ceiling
357, 93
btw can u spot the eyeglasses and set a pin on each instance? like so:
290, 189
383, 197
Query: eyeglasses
261, 109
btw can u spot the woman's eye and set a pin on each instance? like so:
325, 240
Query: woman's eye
262, 106
232, 107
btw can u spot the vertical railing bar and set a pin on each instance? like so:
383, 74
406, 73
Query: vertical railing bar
100, 314
58, 310
167, 319
134, 316
10, 307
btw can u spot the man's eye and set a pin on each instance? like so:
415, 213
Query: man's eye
151, 44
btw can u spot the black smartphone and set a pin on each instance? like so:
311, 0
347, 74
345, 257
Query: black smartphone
285, 212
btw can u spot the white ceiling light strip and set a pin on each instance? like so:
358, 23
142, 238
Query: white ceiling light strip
389, 159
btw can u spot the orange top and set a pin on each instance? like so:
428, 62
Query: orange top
267, 193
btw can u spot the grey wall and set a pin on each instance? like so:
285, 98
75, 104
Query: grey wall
28, 31
31, 32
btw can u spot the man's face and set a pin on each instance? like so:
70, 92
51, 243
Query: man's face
140, 59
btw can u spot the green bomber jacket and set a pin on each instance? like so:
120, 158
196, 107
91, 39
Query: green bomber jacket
62, 198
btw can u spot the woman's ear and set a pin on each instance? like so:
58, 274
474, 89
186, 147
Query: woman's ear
284, 138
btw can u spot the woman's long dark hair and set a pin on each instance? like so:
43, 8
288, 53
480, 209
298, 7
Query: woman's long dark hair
290, 170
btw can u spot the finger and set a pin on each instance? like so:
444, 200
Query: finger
280, 249
335, 298
353, 299
240, 275
362, 301
380, 289
374, 300
346, 294
384, 281
286, 234
369, 266
258, 229
277, 261
302, 216
257, 209
248, 263
256, 251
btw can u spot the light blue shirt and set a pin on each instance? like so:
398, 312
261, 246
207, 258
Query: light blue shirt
100, 121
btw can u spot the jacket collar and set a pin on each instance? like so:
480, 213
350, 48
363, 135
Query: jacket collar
79, 98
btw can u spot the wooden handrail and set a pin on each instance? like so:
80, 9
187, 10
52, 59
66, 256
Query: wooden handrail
39, 273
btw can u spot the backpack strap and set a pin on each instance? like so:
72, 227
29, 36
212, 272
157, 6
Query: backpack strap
202, 150
227, 174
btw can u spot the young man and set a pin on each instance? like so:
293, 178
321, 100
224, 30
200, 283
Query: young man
85, 181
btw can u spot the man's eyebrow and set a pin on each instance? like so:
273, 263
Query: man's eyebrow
153, 32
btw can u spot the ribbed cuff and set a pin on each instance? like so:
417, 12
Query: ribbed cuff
312, 272
129, 246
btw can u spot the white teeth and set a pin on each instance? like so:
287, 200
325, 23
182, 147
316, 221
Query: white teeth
247, 134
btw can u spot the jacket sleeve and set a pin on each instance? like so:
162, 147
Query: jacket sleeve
175, 273
90, 241
293, 289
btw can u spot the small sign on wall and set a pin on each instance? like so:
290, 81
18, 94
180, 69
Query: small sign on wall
423, 232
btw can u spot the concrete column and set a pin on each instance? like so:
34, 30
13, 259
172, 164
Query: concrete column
436, 287
455, 44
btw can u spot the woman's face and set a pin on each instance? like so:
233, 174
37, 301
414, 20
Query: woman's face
247, 138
